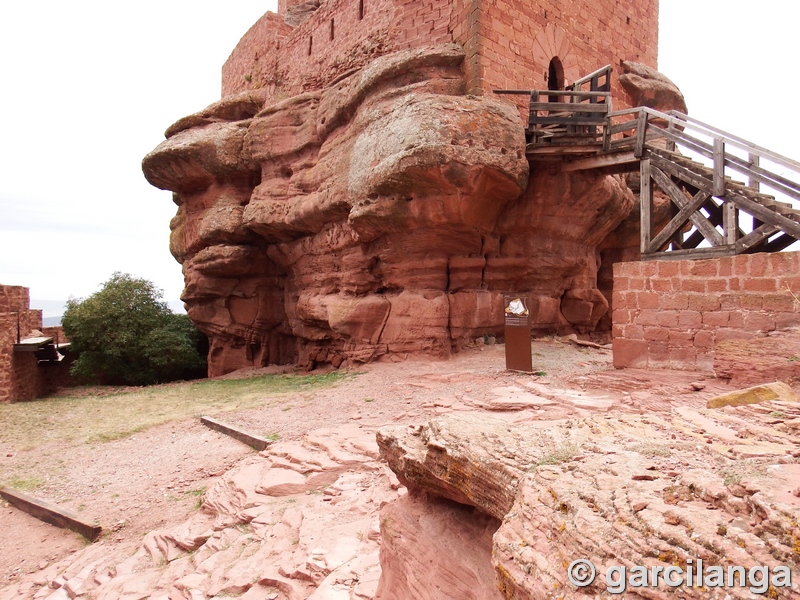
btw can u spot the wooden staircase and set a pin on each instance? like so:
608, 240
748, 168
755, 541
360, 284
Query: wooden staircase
698, 167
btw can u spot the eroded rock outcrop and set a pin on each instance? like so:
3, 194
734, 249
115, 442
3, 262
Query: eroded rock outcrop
648, 87
386, 213
717, 485
298, 521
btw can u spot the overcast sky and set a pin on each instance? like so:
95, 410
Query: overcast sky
89, 87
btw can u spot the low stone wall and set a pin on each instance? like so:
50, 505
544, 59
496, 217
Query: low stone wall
21, 376
672, 314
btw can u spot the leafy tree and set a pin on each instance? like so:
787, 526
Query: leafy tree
126, 334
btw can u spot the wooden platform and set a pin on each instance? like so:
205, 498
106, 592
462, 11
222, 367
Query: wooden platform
692, 163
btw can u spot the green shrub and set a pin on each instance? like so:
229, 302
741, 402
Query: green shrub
126, 334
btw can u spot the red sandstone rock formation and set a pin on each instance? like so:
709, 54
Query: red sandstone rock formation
716, 485
648, 87
386, 213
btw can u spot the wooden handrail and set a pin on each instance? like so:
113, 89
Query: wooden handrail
596, 74
680, 119
683, 130
585, 93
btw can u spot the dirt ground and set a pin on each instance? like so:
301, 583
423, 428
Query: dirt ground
136, 484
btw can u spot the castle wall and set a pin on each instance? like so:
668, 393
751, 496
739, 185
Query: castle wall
520, 37
21, 378
672, 314
509, 43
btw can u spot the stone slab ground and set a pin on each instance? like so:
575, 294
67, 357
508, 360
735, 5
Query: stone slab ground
302, 518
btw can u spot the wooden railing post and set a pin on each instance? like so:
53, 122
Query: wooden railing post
755, 161
646, 206
730, 225
671, 129
719, 167
641, 132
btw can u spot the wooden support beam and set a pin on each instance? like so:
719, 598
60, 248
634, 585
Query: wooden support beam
779, 243
646, 205
755, 237
558, 150
765, 215
601, 161
682, 173
730, 223
60, 517
254, 441
692, 254
641, 133
678, 221
752, 181
694, 240
676, 195
569, 107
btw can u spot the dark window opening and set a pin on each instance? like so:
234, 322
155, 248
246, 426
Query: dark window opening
310, 45
555, 77
360, 9
332, 30
627, 20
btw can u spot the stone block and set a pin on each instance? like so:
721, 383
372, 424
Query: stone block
630, 353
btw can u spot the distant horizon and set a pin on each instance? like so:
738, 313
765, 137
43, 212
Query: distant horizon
52, 309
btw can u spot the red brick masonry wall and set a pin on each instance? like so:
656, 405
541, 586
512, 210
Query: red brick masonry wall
21, 377
508, 43
672, 314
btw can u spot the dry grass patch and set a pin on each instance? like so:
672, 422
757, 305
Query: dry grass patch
89, 416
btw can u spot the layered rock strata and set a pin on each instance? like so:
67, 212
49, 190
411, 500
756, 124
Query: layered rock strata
661, 490
385, 214
298, 521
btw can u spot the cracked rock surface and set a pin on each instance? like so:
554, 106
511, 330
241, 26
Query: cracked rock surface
721, 485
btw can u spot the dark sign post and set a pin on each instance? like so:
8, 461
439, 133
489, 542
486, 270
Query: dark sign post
518, 333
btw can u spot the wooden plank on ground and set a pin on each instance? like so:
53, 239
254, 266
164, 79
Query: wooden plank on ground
60, 517
254, 441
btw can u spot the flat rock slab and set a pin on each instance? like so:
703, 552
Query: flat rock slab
54, 515
254, 441
759, 393
654, 488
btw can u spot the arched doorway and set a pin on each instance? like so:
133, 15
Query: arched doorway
555, 77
